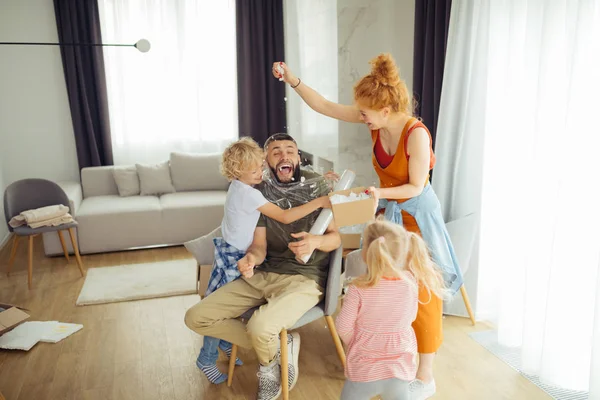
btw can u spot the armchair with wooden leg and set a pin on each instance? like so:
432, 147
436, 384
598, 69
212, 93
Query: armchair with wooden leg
462, 233
30, 194
324, 309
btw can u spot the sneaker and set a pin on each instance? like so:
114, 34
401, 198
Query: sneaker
269, 381
420, 390
293, 342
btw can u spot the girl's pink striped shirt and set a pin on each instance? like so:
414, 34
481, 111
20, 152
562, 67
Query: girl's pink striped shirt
376, 325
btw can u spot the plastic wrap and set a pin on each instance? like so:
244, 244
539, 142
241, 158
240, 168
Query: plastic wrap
326, 216
293, 194
353, 229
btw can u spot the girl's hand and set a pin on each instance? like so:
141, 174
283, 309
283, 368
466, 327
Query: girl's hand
332, 176
246, 265
288, 76
376, 195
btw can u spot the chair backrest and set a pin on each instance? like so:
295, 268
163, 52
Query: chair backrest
334, 286
29, 194
463, 232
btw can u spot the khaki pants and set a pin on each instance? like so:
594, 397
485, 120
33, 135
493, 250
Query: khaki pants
283, 300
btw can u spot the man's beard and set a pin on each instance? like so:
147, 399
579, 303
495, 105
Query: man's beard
295, 176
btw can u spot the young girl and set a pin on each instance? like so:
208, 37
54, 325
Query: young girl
242, 165
379, 309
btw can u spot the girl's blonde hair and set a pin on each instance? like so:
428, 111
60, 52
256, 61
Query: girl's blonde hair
391, 247
383, 87
240, 157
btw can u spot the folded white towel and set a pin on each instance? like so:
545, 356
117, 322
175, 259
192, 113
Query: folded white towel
39, 215
64, 219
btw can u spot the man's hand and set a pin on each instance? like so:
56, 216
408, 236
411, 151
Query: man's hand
246, 265
305, 246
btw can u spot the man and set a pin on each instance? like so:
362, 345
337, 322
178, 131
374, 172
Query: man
282, 286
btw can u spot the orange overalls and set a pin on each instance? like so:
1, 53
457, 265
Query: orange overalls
393, 171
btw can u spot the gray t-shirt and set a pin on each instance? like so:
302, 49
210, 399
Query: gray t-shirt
280, 258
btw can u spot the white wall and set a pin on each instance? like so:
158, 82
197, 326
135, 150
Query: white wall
3, 227
36, 132
367, 28
311, 43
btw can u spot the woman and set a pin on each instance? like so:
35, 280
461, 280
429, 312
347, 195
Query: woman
402, 157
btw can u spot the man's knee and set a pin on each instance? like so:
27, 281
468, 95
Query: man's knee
196, 319
261, 329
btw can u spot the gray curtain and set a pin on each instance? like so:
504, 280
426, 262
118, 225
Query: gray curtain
432, 19
79, 22
259, 44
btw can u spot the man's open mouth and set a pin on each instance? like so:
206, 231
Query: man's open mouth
285, 168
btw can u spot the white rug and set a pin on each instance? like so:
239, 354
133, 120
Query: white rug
138, 281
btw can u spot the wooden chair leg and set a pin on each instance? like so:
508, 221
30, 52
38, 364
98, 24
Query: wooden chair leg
30, 263
76, 250
336, 340
465, 297
13, 253
231, 364
285, 390
63, 244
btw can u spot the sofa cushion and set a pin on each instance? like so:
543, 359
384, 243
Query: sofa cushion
203, 248
126, 178
108, 223
189, 215
155, 179
197, 172
98, 181
115, 205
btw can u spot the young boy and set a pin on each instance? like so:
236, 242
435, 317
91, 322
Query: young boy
242, 165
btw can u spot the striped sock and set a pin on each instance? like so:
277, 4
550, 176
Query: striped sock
212, 373
227, 351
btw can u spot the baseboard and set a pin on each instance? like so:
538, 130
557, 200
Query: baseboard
5, 240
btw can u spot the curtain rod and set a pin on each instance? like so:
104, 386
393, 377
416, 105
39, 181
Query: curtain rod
142, 45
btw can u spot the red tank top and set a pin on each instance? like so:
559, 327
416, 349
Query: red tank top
382, 156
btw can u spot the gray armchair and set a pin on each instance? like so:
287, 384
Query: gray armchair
29, 194
324, 309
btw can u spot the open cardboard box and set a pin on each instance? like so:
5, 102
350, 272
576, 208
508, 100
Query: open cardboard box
354, 212
11, 317
351, 236
350, 241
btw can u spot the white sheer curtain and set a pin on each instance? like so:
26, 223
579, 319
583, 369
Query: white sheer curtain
518, 121
180, 96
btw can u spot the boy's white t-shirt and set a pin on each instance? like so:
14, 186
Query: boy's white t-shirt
241, 214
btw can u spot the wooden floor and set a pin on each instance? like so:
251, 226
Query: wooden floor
143, 350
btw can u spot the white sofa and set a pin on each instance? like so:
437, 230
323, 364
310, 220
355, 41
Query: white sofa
109, 222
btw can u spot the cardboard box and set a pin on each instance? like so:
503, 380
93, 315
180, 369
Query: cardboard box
354, 212
11, 317
350, 241
203, 278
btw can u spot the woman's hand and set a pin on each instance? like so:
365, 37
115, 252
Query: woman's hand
288, 76
375, 192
